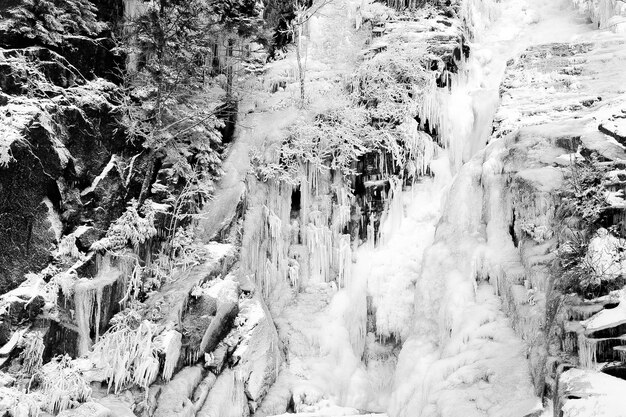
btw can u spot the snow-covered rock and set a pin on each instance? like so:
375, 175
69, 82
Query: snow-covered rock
227, 398
175, 398
584, 393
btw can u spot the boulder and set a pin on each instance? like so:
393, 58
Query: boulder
589, 393
6, 380
616, 128
174, 400
116, 407
219, 327
88, 409
202, 390
258, 355
227, 397
24, 308
225, 293
87, 236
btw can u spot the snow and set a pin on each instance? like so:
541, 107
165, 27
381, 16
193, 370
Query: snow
593, 394
223, 290
14, 120
54, 218
607, 318
331, 411
612, 406
109, 166
605, 256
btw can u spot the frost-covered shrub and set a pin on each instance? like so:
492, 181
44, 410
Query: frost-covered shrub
133, 228
373, 11
32, 354
126, 351
591, 258
591, 267
391, 84
48, 20
332, 141
185, 252
539, 233
15, 402
61, 384
584, 193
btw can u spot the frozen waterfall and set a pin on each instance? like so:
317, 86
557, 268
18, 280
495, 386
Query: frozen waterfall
422, 309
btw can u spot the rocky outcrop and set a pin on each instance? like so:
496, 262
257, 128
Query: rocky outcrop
589, 393
559, 106
60, 131
175, 398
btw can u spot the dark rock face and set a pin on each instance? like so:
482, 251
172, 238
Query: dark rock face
21, 309
615, 127
62, 156
87, 236
60, 340
220, 326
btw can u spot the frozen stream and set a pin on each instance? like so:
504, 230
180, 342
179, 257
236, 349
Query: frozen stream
462, 357
443, 347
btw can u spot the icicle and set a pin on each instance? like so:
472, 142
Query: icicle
171, 345
146, 363
344, 262
98, 311
319, 245
587, 351
341, 209
392, 218
477, 14
371, 233
88, 301
84, 297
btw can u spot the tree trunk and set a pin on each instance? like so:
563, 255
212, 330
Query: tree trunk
299, 58
147, 180
229, 69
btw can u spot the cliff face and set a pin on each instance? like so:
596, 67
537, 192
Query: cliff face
549, 212
548, 148
60, 132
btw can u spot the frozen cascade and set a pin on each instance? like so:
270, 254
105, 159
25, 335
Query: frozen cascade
414, 325
87, 295
424, 284
462, 356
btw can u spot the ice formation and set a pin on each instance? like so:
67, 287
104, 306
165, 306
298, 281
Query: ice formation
87, 294
433, 281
